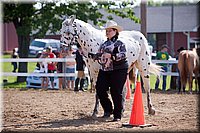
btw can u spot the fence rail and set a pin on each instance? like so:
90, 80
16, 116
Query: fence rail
170, 62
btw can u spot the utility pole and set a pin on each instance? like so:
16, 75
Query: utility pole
174, 66
143, 13
172, 29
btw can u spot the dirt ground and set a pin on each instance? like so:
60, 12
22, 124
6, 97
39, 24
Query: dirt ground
65, 111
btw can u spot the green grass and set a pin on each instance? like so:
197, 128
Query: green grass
11, 80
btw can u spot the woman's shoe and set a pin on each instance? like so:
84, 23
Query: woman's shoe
116, 119
106, 115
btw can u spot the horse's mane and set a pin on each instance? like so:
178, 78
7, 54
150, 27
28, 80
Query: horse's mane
87, 25
91, 30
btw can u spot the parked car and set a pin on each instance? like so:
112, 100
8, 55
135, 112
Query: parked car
35, 81
38, 45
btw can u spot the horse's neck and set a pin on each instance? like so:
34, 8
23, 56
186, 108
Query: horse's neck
89, 37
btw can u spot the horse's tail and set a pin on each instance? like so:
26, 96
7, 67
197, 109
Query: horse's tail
155, 69
132, 75
185, 68
182, 62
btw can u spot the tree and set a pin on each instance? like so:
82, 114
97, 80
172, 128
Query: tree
27, 18
30, 20
20, 15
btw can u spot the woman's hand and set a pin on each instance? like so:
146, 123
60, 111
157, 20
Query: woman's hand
106, 55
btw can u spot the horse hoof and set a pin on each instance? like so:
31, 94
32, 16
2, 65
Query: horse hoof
94, 115
152, 111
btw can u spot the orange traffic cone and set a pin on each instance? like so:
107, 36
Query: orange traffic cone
128, 94
137, 113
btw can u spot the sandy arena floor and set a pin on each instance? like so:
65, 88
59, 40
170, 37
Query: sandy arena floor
66, 111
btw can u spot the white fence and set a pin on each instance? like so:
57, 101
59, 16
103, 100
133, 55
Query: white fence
170, 62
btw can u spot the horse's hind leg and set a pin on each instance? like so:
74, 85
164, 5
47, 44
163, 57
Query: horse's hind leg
123, 99
190, 82
146, 81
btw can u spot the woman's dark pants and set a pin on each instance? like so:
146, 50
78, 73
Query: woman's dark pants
115, 80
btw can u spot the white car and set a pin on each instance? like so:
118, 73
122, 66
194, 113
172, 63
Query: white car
35, 81
38, 45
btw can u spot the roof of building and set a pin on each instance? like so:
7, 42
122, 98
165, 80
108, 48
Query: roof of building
159, 19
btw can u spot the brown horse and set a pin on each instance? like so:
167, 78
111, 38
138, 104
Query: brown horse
188, 64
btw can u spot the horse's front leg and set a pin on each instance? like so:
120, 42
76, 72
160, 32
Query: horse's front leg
97, 101
146, 81
96, 107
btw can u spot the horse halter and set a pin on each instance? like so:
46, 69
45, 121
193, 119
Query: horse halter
75, 35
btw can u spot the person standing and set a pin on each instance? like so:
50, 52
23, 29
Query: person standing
80, 66
14, 56
43, 66
59, 68
51, 65
70, 68
112, 56
162, 55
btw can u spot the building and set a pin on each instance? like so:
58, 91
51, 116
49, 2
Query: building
185, 27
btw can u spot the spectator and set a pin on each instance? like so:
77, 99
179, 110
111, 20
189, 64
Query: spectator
14, 55
80, 66
70, 68
51, 65
59, 69
162, 55
113, 73
38, 63
43, 69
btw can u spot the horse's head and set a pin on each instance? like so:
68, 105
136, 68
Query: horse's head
68, 31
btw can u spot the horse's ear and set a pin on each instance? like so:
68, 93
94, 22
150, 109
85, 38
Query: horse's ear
72, 17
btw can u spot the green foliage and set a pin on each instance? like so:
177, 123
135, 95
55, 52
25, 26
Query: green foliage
20, 15
121, 10
37, 22
49, 17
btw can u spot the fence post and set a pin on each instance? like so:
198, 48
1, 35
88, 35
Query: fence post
173, 78
64, 71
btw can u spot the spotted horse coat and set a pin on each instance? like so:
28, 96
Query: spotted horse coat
90, 39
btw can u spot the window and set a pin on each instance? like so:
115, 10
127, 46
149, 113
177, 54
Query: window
38, 44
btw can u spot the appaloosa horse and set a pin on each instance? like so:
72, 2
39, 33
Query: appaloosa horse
90, 39
188, 64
